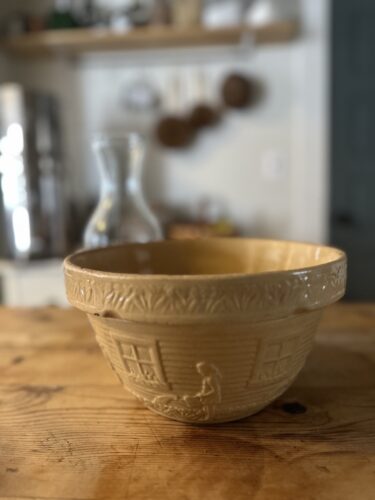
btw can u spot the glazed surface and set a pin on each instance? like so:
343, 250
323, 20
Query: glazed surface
277, 279
206, 257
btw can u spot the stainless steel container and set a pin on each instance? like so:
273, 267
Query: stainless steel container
31, 187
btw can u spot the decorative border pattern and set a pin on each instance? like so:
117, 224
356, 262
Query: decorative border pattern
255, 296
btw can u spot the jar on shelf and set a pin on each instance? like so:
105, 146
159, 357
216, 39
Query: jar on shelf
186, 14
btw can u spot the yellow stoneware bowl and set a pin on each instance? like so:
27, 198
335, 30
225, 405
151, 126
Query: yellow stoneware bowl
208, 330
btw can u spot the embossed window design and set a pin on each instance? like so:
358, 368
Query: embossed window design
142, 363
275, 360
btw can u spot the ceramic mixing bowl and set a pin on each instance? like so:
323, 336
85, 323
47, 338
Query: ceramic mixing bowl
208, 330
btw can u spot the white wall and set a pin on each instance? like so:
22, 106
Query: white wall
225, 163
285, 136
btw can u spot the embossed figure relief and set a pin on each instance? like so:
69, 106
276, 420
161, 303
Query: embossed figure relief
199, 407
142, 363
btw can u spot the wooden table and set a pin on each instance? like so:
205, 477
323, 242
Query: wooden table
69, 431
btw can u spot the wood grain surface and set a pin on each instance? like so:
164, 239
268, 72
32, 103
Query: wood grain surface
69, 431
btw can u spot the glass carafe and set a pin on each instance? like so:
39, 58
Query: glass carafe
122, 214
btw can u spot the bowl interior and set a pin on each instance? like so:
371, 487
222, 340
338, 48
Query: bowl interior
206, 257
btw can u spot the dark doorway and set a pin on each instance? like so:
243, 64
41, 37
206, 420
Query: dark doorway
353, 141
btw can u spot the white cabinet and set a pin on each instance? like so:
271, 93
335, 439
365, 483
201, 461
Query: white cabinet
32, 284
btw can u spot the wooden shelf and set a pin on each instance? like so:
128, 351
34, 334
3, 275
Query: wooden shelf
91, 40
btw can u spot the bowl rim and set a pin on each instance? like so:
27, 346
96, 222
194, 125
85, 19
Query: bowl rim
205, 298
69, 265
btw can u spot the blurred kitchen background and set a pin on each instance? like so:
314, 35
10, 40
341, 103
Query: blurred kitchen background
258, 117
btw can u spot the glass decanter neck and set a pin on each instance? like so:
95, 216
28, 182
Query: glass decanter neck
120, 160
